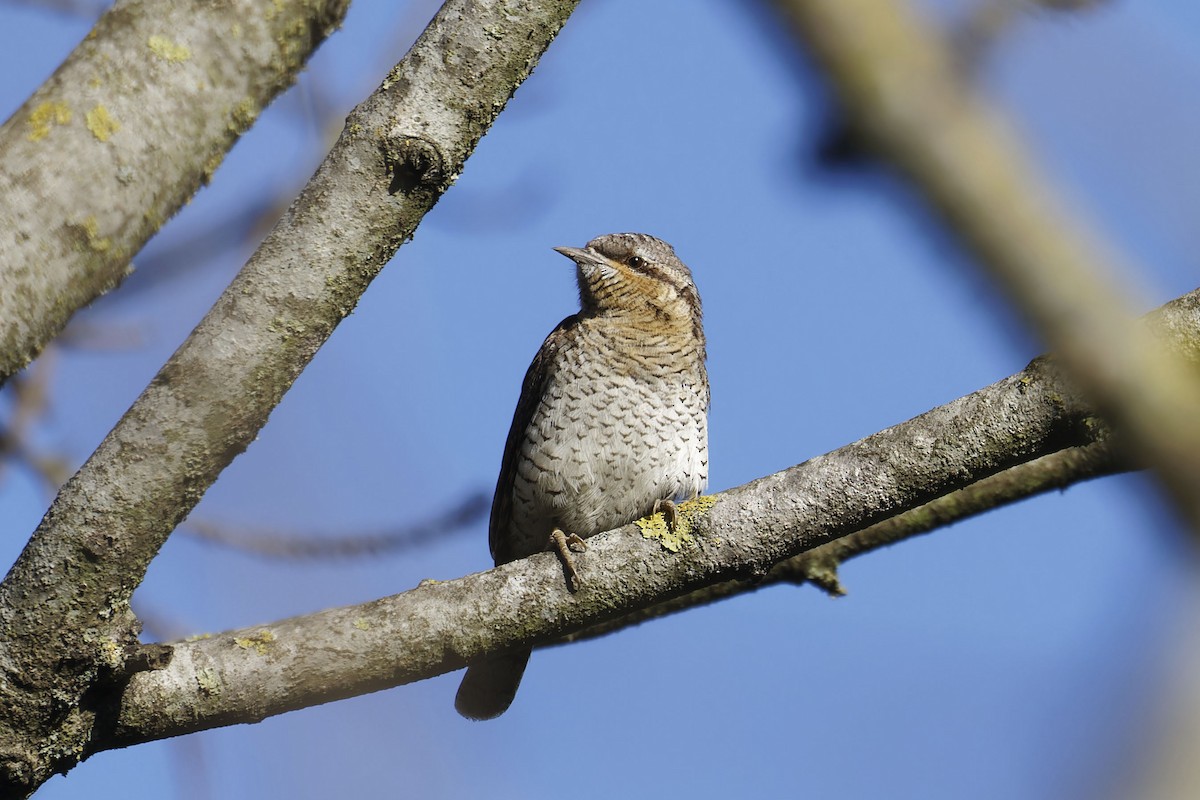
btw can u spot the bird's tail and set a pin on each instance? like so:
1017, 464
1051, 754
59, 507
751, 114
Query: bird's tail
488, 688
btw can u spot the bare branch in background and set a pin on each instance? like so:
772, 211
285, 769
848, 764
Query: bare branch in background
987, 21
30, 395
1048, 473
296, 546
1069, 5
899, 88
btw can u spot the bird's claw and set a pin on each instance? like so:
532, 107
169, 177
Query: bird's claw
563, 544
669, 512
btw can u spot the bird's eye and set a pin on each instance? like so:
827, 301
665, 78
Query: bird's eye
637, 262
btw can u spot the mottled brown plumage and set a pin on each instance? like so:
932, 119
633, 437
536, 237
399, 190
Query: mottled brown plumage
612, 419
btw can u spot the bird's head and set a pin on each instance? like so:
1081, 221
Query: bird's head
637, 275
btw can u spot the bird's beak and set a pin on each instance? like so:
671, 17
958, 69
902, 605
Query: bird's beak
583, 256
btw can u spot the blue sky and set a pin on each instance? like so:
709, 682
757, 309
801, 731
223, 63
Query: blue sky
1017, 655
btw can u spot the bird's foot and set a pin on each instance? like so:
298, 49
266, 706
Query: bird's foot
670, 514
564, 544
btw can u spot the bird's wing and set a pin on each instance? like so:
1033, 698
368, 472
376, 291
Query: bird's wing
531, 394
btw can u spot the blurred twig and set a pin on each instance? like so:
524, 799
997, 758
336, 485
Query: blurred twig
187, 251
988, 20
901, 92
89, 9
189, 756
30, 391
1165, 765
290, 545
157, 626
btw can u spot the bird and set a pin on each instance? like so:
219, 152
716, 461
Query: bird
611, 425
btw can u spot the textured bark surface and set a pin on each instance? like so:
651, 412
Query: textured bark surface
136, 119
66, 630
735, 537
820, 565
73, 681
243, 676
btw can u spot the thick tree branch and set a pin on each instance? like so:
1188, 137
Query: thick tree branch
399, 152
904, 95
819, 566
1055, 471
126, 130
246, 675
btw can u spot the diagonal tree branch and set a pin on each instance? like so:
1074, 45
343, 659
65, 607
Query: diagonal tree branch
131, 125
740, 535
400, 150
905, 96
243, 676
819, 565
1055, 471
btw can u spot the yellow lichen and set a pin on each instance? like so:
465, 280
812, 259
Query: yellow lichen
210, 166
686, 515
259, 642
91, 230
112, 655
242, 116
45, 117
101, 123
207, 680
168, 50
362, 624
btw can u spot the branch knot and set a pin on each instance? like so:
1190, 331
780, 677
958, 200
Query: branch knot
413, 163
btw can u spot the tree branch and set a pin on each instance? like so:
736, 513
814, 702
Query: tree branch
246, 675
297, 546
1055, 471
130, 126
730, 538
243, 676
819, 566
903, 93
400, 150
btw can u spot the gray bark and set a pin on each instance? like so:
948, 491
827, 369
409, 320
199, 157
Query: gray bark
735, 539
738, 535
400, 150
131, 125
73, 680
819, 566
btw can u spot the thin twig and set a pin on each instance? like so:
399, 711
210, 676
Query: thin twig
278, 544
